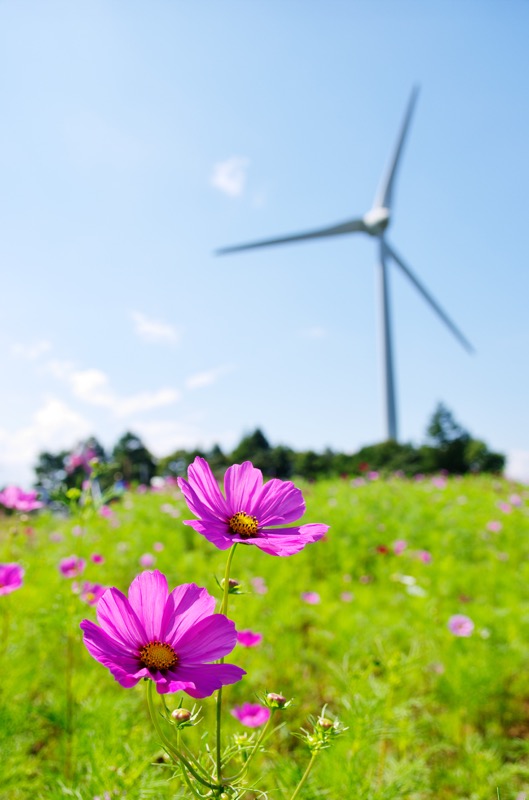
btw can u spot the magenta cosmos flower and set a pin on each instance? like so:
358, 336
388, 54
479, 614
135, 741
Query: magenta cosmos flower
169, 638
11, 576
71, 566
249, 638
14, 497
460, 625
248, 510
251, 714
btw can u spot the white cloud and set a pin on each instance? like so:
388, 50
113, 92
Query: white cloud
54, 426
152, 330
144, 401
31, 351
317, 332
230, 176
201, 379
517, 468
165, 436
92, 386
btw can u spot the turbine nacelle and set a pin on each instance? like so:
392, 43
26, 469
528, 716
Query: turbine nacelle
376, 221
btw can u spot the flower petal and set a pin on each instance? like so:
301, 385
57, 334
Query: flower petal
202, 492
279, 502
122, 663
214, 532
185, 607
148, 595
242, 484
211, 638
119, 621
288, 541
206, 678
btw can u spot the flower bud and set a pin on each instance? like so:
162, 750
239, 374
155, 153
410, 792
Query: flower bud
181, 715
325, 724
275, 700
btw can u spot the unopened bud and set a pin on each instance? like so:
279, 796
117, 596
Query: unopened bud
275, 700
181, 715
325, 724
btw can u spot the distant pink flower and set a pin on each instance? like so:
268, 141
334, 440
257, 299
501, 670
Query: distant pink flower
107, 512
72, 566
373, 475
439, 481
158, 547
147, 560
11, 575
505, 507
169, 638
515, 500
55, 536
259, 585
346, 597
312, 598
460, 625
249, 639
494, 526
425, 556
91, 593
97, 558
141, 488
251, 714
399, 546
250, 510
418, 477
19, 500
77, 530
356, 482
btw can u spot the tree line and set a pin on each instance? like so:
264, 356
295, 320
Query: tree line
448, 447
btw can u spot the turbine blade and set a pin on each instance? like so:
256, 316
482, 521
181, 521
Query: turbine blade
384, 196
428, 297
352, 226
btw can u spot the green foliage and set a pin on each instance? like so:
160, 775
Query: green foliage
430, 715
448, 448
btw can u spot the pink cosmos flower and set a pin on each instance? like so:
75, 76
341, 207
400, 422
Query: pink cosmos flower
425, 556
312, 598
72, 566
91, 593
494, 526
97, 558
515, 500
248, 510
147, 560
347, 597
259, 585
251, 714
460, 625
505, 507
399, 546
11, 576
158, 547
170, 638
249, 639
18, 499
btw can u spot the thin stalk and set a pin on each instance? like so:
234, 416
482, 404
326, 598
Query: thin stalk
223, 610
253, 751
173, 752
305, 775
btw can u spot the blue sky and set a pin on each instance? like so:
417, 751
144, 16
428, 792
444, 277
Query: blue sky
139, 137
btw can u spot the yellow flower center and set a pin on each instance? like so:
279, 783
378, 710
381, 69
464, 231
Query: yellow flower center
158, 655
243, 525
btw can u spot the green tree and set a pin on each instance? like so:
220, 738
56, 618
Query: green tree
133, 460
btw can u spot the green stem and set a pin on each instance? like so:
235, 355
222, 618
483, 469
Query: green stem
253, 751
305, 775
173, 752
223, 610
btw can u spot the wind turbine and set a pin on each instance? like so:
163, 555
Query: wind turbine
375, 223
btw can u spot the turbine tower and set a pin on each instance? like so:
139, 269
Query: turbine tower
375, 223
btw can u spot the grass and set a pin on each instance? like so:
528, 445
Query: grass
430, 715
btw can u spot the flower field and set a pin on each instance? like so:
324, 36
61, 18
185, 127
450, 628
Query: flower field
408, 621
